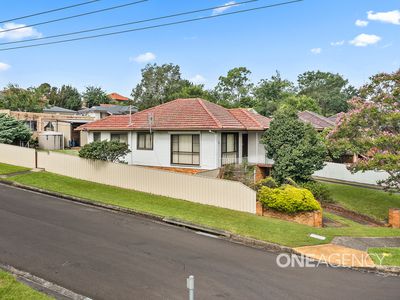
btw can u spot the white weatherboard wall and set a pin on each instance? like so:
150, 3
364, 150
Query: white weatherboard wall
340, 172
18, 156
223, 193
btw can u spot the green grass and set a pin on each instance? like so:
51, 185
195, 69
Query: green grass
8, 169
267, 229
11, 289
385, 256
370, 202
68, 151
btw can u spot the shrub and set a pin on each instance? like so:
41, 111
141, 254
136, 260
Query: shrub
288, 199
267, 181
113, 151
319, 190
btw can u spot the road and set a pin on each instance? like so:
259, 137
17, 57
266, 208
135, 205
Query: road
106, 255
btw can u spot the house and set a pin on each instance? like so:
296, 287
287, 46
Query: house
59, 110
317, 121
117, 98
186, 133
64, 124
105, 110
335, 118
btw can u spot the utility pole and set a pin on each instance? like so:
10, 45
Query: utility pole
190, 286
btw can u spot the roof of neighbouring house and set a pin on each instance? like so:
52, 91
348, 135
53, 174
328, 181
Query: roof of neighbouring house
185, 114
336, 117
59, 110
110, 109
317, 121
118, 97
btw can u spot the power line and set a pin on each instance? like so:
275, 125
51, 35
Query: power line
129, 23
153, 26
75, 16
49, 11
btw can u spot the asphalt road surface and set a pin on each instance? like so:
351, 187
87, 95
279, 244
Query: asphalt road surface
106, 255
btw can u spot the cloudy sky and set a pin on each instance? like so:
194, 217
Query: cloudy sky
356, 38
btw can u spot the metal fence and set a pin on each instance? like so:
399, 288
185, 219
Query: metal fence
204, 190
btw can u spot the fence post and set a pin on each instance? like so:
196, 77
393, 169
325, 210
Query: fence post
190, 286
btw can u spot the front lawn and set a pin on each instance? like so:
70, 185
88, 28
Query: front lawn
263, 228
370, 202
11, 289
68, 151
8, 169
385, 256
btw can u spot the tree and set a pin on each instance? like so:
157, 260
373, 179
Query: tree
19, 99
113, 151
372, 128
158, 85
331, 91
296, 148
13, 131
94, 96
300, 103
271, 93
235, 89
67, 97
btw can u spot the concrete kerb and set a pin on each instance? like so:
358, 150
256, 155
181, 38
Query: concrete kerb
43, 285
254, 243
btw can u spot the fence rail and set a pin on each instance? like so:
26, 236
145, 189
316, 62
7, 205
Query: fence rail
204, 190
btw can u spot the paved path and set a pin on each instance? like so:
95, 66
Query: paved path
369, 242
105, 255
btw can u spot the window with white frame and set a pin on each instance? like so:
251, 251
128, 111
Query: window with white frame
96, 136
120, 137
185, 149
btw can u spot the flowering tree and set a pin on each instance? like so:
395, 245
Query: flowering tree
372, 128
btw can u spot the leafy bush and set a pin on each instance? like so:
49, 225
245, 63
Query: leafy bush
112, 151
288, 199
13, 131
319, 190
267, 181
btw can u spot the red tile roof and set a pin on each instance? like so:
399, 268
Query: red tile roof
185, 114
117, 97
317, 121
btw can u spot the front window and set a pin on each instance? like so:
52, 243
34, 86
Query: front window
229, 148
96, 136
144, 141
120, 137
185, 149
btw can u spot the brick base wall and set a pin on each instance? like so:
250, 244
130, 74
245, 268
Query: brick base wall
311, 218
394, 217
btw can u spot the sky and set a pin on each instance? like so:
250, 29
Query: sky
355, 38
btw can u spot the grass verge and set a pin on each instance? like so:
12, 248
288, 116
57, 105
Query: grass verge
373, 203
245, 224
68, 151
11, 289
385, 256
8, 169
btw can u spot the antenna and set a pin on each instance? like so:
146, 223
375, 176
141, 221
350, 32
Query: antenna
150, 119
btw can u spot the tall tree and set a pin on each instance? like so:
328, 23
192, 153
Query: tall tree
372, 128
331, 91
235, 89
13, 131
66, 97
94, 96
190, 90
271, 93
19, 99
158, 85
299, 103
296, 148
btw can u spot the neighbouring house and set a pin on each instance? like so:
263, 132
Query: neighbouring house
335, 118
63, 124
186, 133
117, 98
59, 110
317, 121
105, 110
